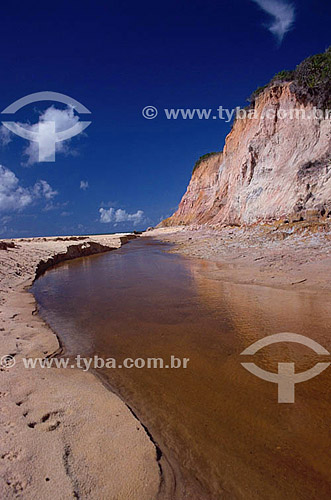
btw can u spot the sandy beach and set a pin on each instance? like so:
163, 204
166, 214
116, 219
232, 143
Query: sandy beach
286, 256
165, 251
63, 434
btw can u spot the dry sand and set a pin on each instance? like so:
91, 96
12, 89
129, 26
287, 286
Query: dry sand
284, 256
63, 434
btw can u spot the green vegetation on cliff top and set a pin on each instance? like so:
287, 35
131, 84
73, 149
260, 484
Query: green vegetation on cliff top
310, 82
202, 158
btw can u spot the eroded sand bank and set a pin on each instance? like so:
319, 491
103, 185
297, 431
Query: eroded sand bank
286, 256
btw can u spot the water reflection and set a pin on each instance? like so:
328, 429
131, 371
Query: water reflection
220, 424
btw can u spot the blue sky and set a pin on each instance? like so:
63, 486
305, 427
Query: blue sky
116, 58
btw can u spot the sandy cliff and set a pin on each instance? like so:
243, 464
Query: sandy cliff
272, 167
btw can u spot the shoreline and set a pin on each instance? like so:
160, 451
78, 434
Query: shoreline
57, 436
288, 257
149, 466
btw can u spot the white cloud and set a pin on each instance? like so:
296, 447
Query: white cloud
63, 119
119, 215
106, 215
108, 204
3, 224
14, 197
283, 14
84, 185
5, 136
54, 206
43, 190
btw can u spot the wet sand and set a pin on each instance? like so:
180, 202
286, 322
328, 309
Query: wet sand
286, 256
63, 435
220, 429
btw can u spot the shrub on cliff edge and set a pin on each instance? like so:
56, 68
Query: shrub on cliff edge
202, 158
311, 81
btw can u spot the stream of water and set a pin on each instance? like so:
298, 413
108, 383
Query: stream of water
220, 427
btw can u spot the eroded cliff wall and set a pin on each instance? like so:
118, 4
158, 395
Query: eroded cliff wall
271, 168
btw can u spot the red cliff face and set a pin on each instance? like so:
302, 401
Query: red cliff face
271, 168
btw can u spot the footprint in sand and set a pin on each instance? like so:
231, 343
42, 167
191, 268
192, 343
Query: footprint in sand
48, 422
16, 485
11, 456
9, 428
